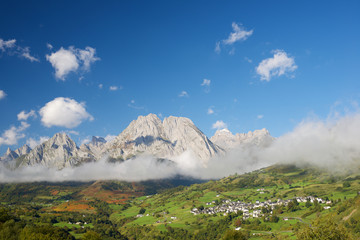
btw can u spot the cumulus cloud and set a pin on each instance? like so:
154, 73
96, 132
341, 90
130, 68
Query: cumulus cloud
10, 47
183, 94
13, 134
64, 112
100, 85
32, 143
113, 88
24, 116
2, 94
219, 125
87, 57
277, 65
71, 60
64, 61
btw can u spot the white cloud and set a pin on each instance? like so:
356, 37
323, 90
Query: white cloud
2, 94
206, 82
25, 52
87, 56
64, 61
64, 112
32, 143
278, 65
13, 134
260, 116
49, 46
70, 60
183, 94
239, 34
101, 85
7, 44
110, 137
11, 48
113, 88
210, 111
24, 116
219, 125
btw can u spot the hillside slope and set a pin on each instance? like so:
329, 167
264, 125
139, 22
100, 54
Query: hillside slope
281, 202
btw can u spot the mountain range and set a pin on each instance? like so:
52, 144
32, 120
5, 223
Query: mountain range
166, 139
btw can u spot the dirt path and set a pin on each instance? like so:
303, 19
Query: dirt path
348, 216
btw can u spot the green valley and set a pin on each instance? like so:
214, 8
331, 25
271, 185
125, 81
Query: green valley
278, 202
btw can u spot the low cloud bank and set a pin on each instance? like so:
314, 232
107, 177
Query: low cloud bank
331, 145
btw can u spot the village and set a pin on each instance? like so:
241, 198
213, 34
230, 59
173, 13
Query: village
252, 210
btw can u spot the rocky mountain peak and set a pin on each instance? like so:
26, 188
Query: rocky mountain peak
11, 155
61, 140
8, 151
224, 138
167, 139
97, 140
143, 126
25, 149
59, 151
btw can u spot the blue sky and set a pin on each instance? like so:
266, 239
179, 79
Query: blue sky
91, 67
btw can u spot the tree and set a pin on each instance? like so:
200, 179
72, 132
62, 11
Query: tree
235, 235
142, 211
238, 223
293, 206
325, 229
91, 235
308, 203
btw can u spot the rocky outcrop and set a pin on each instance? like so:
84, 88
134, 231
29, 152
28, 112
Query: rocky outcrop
57, 152
12, 155
95, 147
225, 139
164, 139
